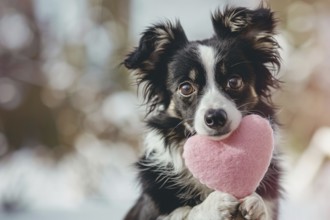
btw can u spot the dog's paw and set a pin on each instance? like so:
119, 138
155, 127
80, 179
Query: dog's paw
224, 204
253, 208
217, 206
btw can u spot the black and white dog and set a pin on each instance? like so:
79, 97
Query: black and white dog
204, 87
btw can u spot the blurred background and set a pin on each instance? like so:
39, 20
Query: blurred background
70, 120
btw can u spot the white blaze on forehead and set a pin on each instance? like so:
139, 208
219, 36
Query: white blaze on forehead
208, 59
212, 97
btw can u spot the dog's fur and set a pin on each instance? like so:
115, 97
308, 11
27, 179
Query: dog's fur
232, 71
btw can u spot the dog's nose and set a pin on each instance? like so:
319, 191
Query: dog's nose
215, 118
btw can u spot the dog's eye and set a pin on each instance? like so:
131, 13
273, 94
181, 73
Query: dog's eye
186, 89
235, 82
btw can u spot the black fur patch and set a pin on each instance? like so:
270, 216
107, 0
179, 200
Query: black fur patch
158, 185
156, 48
254, 32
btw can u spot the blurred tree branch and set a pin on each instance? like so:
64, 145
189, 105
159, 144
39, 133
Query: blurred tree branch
34, 121
29, 122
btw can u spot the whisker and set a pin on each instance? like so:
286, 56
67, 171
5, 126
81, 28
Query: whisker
247, 112
245, 104
189, 131
245, 61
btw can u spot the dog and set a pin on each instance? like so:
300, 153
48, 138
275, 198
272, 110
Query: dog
204, 87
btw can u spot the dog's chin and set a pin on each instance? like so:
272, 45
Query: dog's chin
218, 135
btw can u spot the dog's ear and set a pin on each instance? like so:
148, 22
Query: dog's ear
156, 41
256, 26
150, 59
257, 29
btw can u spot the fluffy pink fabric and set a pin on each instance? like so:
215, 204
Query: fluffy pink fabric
237, 164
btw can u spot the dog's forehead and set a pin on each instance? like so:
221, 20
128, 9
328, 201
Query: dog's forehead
195, 59
220, 52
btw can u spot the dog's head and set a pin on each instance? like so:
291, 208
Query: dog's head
210, 84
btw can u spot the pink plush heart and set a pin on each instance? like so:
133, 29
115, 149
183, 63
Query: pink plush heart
235, 165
